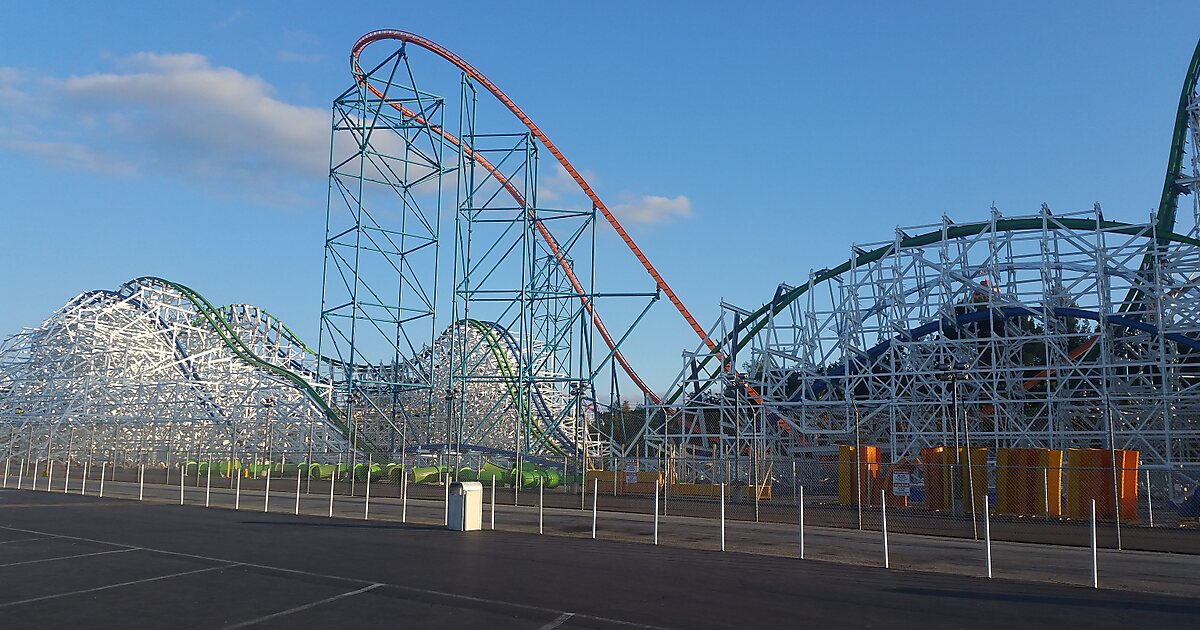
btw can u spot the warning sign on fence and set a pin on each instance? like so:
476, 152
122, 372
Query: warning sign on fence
901, 483
631, 467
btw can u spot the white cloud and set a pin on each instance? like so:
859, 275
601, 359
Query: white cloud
179, 114
651, 209
229, 20
10, 95
72, 156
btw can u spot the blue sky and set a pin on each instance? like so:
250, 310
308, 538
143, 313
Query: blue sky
188, 140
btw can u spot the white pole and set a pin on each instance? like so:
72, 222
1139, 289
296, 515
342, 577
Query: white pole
50, 474
298, 477
446, 504
102, 465
208, 486
182, 479
404, 498
883, 515
987, 538
801, 522
595, 491
541, 500
656, 486
493, 502
8, 461
332, 484
1095, 573
267, 492
21, 474
33, 479
87, 468
722, 517
141, 482
1149, 499
237, 494
67, 481
1046, 490
367, 504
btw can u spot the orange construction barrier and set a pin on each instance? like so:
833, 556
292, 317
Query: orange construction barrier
1029, 481
938, 462
849, 474
1089, 475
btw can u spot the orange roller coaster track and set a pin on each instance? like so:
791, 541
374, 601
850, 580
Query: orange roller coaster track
476, 75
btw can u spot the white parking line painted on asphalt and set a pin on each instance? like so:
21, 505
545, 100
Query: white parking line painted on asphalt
56, 505
410, 589
307, 606
21, 540
111, 586
557, 622
55, 559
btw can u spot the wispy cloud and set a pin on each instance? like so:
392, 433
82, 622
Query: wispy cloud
229, 20
72, 156
181, 114
10, 94
651, 209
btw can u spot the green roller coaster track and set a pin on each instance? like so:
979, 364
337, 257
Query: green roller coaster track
511, 382
219, 324
1164, 230
757, 320
234, 343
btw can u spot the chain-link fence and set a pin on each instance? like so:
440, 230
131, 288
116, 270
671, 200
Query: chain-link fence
939, 504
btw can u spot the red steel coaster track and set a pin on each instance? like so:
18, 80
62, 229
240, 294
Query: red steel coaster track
470, 71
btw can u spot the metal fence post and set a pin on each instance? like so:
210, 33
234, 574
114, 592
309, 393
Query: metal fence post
1149, 499
404, 497
987, 539
722, 517
102, 466
67, 481
208, 486
141, 482
595, 491
493, 502
657, 489
332, 486
541, 501
367, 503
182, 481
446, 503
237, 494
298, 479
800, 502
267, 490
883, 520
1095, 572
21, 474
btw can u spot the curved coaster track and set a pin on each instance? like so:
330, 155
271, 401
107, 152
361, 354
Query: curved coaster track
154, 368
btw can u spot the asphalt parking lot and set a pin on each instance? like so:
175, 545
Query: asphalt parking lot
90, 562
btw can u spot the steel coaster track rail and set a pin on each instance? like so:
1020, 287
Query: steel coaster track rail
498, 339
230, 338
1168, 204
757, 320
445, 53
495, 335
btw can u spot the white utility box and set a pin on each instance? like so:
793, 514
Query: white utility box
465, 511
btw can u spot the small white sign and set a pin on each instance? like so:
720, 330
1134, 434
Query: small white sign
631, 470
901, 483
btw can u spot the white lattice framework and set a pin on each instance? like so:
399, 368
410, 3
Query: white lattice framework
140, 375
1064, 326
